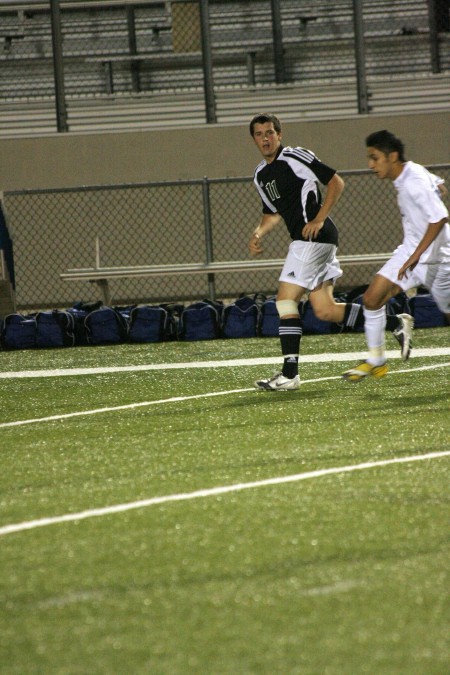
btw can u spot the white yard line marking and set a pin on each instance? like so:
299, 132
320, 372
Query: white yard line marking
338, 587
211, 492
129, 406
307, 358
70, 599
175, 399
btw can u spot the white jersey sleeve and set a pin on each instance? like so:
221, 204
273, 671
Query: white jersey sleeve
420, 204
419, 198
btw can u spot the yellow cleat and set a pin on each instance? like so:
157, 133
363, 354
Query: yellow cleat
364, 370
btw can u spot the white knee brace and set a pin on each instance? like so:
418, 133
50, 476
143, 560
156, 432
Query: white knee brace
286, 307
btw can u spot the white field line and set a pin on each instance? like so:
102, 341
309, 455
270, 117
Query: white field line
177, 399
211, 492
307, 358
338, 587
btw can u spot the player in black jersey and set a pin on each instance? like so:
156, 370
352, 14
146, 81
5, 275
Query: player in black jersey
287, 181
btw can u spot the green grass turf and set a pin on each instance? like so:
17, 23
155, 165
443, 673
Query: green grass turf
336, 575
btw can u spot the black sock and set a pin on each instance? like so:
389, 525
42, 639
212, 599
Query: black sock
290, 367
353, 315
290, 335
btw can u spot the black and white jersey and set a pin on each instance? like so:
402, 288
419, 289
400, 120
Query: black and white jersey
289, 186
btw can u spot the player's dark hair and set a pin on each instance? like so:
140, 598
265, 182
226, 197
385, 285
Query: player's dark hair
263, 118
386, 142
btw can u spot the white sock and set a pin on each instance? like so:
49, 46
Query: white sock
374, 328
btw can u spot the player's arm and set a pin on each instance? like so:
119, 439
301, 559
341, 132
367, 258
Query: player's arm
442, 190
439, 183
335, 188
266, 224
430, 235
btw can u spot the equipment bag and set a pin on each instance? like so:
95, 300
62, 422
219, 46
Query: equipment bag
425, 311
19, 331
270, 319
105, 326
200, 321
55, 328
80, 332
149, 324
79, 311
241, 318
174, 312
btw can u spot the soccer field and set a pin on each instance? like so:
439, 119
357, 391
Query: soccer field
159, 515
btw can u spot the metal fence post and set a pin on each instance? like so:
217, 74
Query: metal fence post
434, 37
360, 57
209, 252
132, 47
61, 110
278, 50
210, 103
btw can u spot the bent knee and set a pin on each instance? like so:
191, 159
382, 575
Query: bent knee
372, 301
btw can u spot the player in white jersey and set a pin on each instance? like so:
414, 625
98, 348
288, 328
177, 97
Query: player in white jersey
423, 257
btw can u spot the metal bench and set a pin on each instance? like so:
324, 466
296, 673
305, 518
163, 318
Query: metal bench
102, 275
168, 60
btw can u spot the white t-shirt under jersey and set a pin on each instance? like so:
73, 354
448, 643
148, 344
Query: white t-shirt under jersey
420, 204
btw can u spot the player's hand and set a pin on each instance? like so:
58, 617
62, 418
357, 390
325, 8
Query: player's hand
254, 244
407, 267
312, 229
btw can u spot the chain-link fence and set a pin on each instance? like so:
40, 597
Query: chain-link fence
175, 223
97, 50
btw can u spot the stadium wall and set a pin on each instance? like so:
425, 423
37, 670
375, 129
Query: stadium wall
65, 160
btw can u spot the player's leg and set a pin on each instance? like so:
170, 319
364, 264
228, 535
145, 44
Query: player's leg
325, 307
290, 331
375, 298
380, 291
383, 287
307, 265
440, 289
374, 302
351, 315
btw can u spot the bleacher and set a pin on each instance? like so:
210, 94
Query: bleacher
293, 103
111, 81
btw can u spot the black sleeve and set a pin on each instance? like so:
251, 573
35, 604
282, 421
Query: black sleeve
323, 172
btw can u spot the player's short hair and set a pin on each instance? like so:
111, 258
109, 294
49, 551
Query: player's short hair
263, 118
386, 142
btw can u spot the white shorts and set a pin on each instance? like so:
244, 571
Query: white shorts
309, 264
433, 276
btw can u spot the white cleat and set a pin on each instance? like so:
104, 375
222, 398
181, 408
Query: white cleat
403, 334
278, 383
